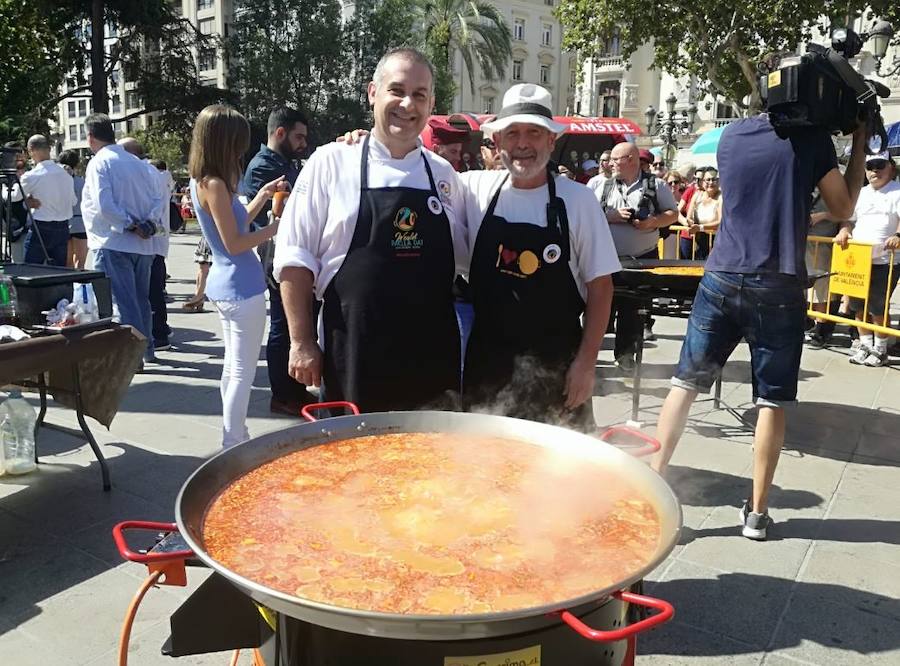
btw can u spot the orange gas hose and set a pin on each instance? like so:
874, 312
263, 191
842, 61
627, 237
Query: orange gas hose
125, 636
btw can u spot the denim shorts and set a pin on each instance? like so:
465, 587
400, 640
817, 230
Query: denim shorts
766, 310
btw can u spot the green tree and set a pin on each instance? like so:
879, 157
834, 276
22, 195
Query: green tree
285, 52
718, 43
35, 49
474, 28
162, 144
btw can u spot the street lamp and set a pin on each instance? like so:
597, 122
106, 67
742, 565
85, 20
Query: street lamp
669, 125
881, 34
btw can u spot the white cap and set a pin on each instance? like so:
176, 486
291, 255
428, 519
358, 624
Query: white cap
525, 103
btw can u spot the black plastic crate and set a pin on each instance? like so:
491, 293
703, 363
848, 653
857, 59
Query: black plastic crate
40, 288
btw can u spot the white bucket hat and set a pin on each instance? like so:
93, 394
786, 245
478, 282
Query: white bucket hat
525, 103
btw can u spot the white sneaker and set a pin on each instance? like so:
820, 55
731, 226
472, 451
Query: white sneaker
754, 524
862, 353
876, 359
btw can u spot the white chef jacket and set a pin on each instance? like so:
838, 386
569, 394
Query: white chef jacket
593, 254
160, 240
49, 183
320, 215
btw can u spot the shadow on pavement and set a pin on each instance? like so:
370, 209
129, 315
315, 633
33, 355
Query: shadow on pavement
848, 530
736, 613
703, 487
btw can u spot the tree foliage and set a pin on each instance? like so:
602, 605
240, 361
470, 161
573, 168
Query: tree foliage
476, 29
718, 43
162, 144
35, 50
285, 52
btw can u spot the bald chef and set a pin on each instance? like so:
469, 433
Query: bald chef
371, 228
542, 256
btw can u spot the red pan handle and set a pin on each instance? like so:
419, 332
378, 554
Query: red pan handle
146, 558
665, 614
306, 411
651, 444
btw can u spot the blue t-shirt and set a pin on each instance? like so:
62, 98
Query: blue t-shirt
767, 184
266, 166
232, 277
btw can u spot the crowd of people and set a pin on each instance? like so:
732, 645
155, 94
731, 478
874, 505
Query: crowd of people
383, 244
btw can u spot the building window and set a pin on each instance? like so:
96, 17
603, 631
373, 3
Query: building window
132, 101
608, 98
549, 3
519, 29
116, 104
488, 104
547, 34
724, 111
114, 78
82, 108
112, 30
71, 108
545, 75
207, 26
207, 59
82, 132
73, 132
573, 78
612, 48
129, 126
517, 70
204, 4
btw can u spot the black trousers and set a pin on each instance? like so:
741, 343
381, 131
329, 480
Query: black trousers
629, 324
161, 328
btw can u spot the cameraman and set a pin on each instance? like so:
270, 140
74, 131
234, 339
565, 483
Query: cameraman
637, 205
754, 283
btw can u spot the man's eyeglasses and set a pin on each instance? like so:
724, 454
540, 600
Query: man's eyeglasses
658, 164
710, 180
876, 165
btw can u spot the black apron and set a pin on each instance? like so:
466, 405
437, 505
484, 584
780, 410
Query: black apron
527, 326
391, 335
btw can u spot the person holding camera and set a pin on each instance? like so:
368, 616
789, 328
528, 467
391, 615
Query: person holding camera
754, 283
637, 206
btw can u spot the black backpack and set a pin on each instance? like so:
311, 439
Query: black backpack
176, 222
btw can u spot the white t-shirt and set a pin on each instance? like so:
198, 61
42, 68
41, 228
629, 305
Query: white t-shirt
593, 253
320, 215
877, 217
54, 188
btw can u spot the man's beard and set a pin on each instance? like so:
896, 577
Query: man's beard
519, 171
287, 152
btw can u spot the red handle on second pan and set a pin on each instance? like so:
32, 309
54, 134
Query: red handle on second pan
651, 444
306, 411
146, 558
666, 612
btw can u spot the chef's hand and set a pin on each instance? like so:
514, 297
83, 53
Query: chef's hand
892, 243
305, 363
352, 137
842, 238
579, 382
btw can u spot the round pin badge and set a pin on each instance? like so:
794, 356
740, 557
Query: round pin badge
552, 253
435, 206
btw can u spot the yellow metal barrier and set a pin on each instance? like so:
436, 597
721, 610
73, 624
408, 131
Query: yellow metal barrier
676, 229
850, 276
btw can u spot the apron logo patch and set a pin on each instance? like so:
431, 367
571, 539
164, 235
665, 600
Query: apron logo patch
435, 206
405, 220
520, 264
444, 189
552, 253
406, 241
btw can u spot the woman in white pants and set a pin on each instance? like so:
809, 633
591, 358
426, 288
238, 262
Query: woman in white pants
236, 283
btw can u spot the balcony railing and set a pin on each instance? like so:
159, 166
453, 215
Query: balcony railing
721, 122
610, 62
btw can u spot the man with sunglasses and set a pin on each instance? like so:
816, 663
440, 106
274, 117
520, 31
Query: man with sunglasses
877, 222
754, 283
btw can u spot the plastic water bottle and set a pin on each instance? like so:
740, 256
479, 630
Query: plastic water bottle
17, 431
8, 301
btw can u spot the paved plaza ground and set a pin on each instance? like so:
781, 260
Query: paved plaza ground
823, 590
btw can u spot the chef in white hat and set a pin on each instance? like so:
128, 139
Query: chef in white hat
541, 257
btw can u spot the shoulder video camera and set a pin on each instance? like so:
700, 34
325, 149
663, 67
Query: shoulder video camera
821, 89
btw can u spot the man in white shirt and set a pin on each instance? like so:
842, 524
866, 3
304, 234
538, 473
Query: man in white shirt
121, 207
541, 256
878, 222
48, 182
373, 228
637, 206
